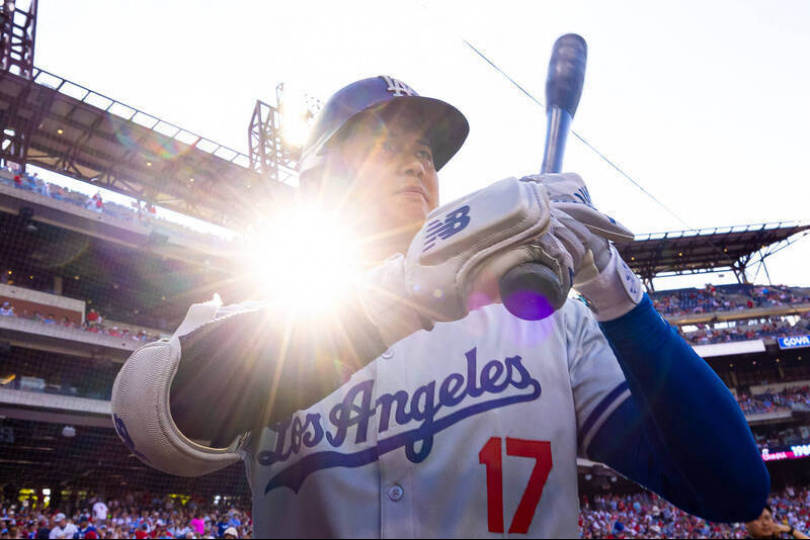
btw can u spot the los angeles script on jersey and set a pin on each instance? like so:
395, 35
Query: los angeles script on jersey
458, 396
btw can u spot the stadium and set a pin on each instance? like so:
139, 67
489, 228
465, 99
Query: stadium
86, 280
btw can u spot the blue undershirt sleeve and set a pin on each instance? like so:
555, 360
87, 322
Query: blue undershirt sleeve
681, 433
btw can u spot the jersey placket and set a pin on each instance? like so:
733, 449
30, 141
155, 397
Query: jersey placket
396, 479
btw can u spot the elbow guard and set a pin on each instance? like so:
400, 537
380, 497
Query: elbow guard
141, 413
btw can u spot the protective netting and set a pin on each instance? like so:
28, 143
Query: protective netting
84, 282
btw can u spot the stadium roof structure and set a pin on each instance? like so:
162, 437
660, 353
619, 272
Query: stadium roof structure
64, 127
708, 250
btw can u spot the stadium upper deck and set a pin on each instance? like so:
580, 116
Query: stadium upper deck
66, 252
61, 126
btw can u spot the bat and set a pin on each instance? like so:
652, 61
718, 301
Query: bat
532, 291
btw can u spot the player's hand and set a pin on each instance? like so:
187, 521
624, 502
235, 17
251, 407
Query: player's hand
456, 260
600, 274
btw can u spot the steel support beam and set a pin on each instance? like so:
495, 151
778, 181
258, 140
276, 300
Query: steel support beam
18, 29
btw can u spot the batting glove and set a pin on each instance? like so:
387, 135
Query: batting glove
600, 275
456, 260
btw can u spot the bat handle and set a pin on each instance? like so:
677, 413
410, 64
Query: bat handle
532, 291
558, 126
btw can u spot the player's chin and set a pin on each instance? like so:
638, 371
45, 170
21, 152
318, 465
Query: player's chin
410, 208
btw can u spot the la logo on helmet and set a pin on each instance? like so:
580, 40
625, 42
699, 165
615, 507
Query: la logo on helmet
397, 87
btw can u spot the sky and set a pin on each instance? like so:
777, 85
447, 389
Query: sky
703, 104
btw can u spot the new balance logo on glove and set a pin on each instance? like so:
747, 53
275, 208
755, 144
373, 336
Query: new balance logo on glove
583, 195
453, 222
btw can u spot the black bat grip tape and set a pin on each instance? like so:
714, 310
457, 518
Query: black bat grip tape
531, 291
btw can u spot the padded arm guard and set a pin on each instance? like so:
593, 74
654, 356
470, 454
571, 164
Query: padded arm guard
141, 413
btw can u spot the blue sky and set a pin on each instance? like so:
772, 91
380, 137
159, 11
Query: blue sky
703, 103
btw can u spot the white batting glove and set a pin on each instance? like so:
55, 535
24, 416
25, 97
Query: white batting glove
600, 274
456, 260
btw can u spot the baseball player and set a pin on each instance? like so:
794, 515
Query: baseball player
419, 407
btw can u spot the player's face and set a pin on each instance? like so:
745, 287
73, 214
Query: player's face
394, 185
762, 527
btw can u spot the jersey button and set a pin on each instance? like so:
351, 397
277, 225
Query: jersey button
388, 354
395, 492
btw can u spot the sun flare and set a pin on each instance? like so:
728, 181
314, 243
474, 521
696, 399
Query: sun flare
304, 258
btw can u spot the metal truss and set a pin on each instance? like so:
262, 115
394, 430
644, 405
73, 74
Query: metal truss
266, 150
62, 126
699, 251
270, 153
18, 36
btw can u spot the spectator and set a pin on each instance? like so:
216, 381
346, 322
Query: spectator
86, 530
97, 204
222, 525
6, 310
233, 520
44, 531
100, 511
198, 524
766, 527
230, 532
63, 528
142, 532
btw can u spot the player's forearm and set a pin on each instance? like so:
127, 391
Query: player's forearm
792, 532
253, 369
692, 422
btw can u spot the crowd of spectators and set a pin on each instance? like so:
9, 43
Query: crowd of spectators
642, 515
691, 301
93, 323
139, 517
645, 515
35, 184
778, 436
779, 295
769, 402
138, 212
748, 330
726, 298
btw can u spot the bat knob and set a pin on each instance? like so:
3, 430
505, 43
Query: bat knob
532, 291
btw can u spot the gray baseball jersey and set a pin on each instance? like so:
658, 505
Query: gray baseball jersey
470, 430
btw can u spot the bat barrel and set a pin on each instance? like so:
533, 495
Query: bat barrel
566, 73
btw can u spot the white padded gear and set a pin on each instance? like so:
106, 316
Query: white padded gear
613, 292
464, 247
503, 218
140, 406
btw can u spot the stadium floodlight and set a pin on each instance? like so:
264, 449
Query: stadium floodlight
296, 110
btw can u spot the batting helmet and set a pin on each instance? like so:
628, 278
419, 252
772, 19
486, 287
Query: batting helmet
445, 127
